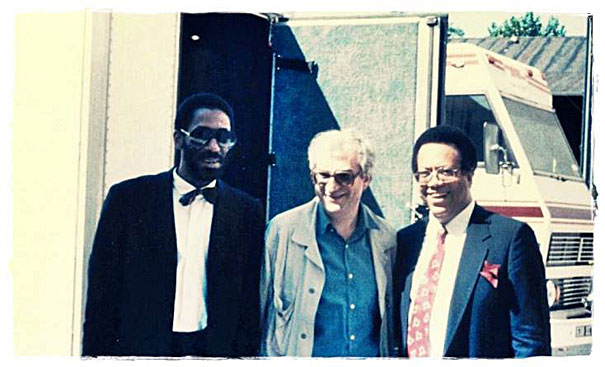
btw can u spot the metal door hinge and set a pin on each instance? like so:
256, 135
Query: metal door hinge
303, 66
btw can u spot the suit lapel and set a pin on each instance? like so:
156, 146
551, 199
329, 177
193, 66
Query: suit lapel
220, 217
405, 308
304, 234
474, 252
223, 255
411, 251
379, 243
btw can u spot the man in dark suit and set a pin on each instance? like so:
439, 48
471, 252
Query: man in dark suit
175, 264
470, 283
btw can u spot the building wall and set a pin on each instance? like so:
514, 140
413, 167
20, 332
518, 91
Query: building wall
93, 104
47, 153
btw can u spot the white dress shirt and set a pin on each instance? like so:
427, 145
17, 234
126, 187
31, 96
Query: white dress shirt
192, 225
454, 243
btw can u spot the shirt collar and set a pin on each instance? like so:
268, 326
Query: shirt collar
182, 186
323, 221
459, 223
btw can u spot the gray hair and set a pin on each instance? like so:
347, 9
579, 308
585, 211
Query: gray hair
345, 140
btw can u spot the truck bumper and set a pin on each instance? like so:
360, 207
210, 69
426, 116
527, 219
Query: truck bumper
571, 336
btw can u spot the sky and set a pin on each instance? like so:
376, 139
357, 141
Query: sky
472, 16
475, 24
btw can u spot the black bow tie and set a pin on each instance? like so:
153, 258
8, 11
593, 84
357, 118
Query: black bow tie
209, 193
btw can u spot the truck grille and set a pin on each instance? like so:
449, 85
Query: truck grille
569, 249
573, 291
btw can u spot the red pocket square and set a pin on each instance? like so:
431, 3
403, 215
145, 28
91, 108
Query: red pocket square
490, 273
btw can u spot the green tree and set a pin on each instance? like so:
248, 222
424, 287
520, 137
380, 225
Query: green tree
554, 28
527, 26
454, 32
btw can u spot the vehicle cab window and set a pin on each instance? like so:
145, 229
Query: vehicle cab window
468, 113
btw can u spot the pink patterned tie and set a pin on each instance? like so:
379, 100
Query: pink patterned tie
418, 342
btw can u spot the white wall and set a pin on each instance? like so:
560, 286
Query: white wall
142, 94
47, 127
93, 104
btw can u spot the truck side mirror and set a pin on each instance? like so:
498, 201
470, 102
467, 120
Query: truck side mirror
491, 148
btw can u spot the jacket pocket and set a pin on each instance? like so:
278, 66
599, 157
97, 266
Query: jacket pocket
283, 326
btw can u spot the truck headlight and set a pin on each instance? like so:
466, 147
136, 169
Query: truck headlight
553, 293
587, 301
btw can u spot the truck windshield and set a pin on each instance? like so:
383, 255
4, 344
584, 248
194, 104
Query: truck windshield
469, 113
543, 139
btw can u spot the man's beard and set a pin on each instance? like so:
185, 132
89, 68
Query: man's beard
195, 166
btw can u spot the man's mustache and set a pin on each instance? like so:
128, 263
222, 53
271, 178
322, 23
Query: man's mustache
211, 155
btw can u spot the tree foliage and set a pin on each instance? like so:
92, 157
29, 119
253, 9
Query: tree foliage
527, 26
454, 32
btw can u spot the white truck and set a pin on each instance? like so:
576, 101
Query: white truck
527, 171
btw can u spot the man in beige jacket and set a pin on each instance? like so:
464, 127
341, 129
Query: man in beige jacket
326, 280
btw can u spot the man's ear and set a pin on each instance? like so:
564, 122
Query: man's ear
469, 177
178, 139
366, 181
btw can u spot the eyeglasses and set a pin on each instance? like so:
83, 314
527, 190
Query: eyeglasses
443, 175
342, 178
202, 136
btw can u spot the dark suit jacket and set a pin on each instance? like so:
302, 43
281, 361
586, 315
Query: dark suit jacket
511, 320
132, 272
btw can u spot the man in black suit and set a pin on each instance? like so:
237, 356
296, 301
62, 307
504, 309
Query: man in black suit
175, 264
468, 282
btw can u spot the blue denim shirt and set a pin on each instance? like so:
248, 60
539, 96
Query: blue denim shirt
347, 323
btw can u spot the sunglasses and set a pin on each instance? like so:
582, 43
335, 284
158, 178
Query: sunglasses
202, 136
342, 178
442, 174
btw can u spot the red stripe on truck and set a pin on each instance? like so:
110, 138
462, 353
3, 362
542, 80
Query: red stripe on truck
570, 213
517, 211
536, 212
462, 55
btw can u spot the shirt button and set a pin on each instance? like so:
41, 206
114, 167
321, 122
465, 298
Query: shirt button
352, 306
347, 246
303, 336
350, 276
352, 337
311, 290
